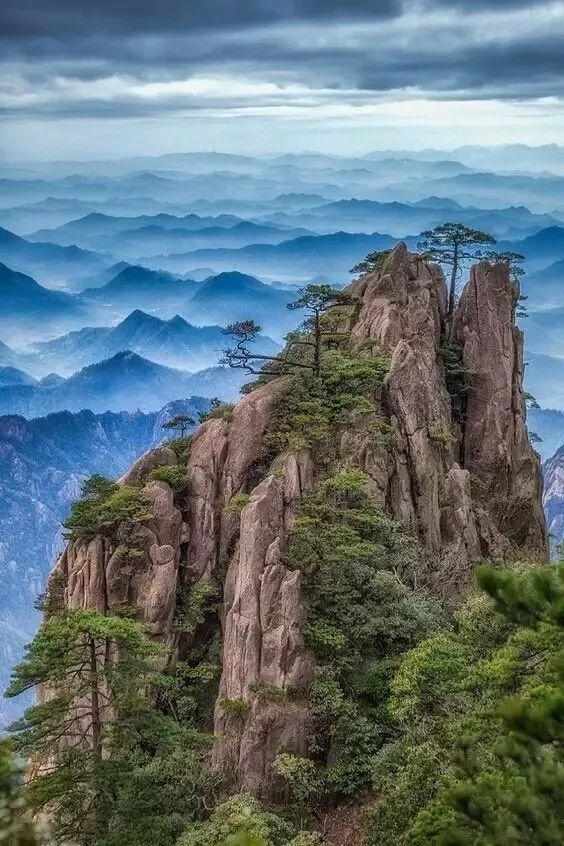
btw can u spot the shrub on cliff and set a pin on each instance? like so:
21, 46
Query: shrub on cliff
106, 506
240, 817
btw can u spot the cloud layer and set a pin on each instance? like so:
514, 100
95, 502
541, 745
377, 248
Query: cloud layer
290, 59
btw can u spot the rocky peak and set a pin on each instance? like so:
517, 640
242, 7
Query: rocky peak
459, 473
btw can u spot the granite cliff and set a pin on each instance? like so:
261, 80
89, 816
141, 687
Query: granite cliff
446, 454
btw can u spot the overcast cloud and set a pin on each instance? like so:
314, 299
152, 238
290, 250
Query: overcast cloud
290, 74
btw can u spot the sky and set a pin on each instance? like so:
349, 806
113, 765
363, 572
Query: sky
122, 77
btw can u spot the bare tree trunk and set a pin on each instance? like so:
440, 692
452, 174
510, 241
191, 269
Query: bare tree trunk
317, 351
452, 289
95, 704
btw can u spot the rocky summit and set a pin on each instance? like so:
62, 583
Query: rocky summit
443, 451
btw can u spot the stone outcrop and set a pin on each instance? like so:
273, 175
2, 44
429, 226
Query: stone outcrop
466, 483
496, 446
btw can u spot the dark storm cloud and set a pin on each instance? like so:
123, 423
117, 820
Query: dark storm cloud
56, 54
39, 19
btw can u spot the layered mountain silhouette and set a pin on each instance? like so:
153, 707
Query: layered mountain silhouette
146, 235
174, 342
58, 266
26, 307
300, 258
138, 287
13, 376
124, 382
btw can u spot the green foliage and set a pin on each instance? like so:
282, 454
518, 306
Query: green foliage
174, 476
195, 603
356, 564
311, 410
181, 447
69, 656
236, 707
240, 817
326, 314
105, 508
218, 411
456, 373
442, 436
453, 245
163, 794
372, 262
15, 828
237, 503
300, 776
451, 242
180, 423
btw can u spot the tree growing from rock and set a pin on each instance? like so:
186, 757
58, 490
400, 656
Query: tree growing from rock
515, 263
180, 423
454, 245
372, 262
317, 301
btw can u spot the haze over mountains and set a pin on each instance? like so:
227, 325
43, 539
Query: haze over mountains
117, 278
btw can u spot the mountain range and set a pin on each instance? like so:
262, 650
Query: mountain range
28, 310
125, 382
173, 343
60, 267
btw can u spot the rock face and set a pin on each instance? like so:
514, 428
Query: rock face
496, 446
467, 482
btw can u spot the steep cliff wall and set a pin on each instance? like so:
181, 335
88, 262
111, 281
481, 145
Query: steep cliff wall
459, 473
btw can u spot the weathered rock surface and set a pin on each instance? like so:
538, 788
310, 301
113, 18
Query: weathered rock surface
424, 472
496, 447
263, 643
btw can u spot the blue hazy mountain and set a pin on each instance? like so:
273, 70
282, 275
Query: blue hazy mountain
175, 343
8, 356
145, 235
401, 219
95, 226
300, 258
548, 424
234, 296
544, 378
13, 376
52, 264
219, 299
541, 249
124, 382
545, 287
27, 309
138, 287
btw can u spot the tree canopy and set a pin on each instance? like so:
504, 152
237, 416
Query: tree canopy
454, 245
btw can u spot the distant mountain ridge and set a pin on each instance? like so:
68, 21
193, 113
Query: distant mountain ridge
50, 263
173, 343
28, 307
124, 382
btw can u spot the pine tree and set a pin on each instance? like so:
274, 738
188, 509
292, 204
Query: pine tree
94, 672
452, 244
